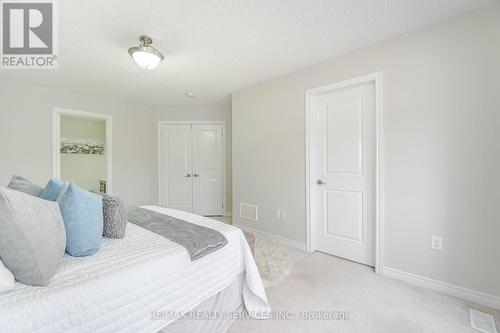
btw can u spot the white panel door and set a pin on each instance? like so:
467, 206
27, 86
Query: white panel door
176, 185
207, 169
343, 151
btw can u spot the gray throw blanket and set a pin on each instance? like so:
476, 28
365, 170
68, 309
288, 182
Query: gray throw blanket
197, 240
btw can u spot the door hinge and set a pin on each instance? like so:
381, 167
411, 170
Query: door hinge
222, 205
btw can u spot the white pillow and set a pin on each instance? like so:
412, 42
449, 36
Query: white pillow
6, 278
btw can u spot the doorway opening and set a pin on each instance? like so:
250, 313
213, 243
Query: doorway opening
81, 149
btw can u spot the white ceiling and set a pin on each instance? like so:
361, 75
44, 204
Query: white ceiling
214, 47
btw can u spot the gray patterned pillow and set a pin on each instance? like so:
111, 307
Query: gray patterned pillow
115, 216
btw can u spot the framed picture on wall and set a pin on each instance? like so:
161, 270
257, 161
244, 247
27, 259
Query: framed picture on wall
79, 145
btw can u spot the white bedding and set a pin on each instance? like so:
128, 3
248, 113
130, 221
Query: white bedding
118, 288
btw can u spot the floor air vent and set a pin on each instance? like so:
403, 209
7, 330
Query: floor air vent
249, 212
482, 322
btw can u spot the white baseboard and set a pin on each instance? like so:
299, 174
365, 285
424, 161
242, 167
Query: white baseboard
443, 287
275, 238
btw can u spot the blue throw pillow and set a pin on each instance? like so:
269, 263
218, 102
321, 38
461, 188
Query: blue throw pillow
82, 214
54, 188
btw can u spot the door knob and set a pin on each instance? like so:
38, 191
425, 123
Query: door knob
196, 175
320, 182
188, 175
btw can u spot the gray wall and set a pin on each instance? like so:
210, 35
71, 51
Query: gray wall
441, 147
180, 113
26, 137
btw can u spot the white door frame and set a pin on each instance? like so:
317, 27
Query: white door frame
56, 141
377, 78
198, 122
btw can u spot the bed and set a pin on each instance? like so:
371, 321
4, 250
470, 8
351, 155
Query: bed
142, 283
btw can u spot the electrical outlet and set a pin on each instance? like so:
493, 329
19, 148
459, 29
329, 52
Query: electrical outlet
437, 243
278, 213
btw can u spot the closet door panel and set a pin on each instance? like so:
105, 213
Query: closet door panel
176, 183
207, 169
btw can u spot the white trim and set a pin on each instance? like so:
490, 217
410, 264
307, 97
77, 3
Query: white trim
377, 78
275, 238
228, 214
56, 141
443, 287
197, 122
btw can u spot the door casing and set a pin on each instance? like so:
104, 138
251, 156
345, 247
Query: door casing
377, 79
201, 122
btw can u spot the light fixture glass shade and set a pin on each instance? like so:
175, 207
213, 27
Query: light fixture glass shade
146, 55
146, 60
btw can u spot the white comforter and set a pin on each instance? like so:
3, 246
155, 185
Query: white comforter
118, 288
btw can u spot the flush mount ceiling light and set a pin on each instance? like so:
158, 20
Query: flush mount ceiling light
190, 94
145, 55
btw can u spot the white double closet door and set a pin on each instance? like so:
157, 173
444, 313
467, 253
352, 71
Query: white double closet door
191, 168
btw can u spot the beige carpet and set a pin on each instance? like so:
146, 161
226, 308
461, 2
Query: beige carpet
375, 303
